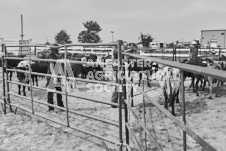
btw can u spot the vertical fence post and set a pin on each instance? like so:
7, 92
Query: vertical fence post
31, 87
179, 52
183, 109
35, 51
3, 78
7, 78
219, 53
122, 62
175, 54
65, 85
144, 112
120, 94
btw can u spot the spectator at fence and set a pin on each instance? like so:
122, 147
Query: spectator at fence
51, 83
114, 97
125, 46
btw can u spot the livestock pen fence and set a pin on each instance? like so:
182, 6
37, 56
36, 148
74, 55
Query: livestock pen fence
123, 125
181, 124
7, 93
178, 54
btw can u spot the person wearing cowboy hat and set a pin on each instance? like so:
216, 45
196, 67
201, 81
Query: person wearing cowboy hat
51, 83
194, 48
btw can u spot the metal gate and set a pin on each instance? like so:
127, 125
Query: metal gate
7, 94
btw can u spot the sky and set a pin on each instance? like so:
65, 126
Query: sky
165, 20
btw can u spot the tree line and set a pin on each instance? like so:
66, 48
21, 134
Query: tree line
91, 35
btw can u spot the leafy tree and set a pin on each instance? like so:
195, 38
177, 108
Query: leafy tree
145, 39
62, 37
90, 35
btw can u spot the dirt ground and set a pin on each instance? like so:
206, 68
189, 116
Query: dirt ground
24, 131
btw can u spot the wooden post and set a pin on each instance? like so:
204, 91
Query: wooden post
3, 78
219, 53
124, 94
119, 95
145, 123
7, 78
183, 110
65, 74
30, 79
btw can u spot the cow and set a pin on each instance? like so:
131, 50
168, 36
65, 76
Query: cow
222, 64
12, 63
23, 77
140, 65
85, 69
39, 68
169, 82
213, 65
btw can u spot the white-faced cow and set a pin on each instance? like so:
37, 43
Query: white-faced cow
170, 83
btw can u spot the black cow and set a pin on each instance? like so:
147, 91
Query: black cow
12, 64
39, 68
85, 69
139, 65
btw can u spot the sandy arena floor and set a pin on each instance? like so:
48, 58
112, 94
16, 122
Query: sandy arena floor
23, 131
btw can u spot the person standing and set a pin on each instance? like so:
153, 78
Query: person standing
51, 82
114, 97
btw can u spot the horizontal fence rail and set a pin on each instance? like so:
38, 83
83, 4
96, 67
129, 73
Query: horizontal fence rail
60, 92
26, 46
185, 67
88, 63
92, 44
62, 77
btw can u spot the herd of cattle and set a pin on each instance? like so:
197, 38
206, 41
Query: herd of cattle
169, 77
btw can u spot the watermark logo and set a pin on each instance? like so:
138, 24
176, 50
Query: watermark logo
59, 69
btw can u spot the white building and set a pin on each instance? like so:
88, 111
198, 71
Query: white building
213, 37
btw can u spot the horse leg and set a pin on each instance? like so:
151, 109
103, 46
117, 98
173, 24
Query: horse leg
166, 99
210, 87
196, 86
19, 92
177, 97
24, 87
33, 79
193, 83
36, 79
217, 88
11, 74
28, 86
172, 100
204, 85
201, 80
140, 77
148, 75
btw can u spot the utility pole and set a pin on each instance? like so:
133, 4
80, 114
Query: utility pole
22, 35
